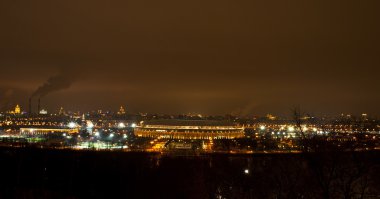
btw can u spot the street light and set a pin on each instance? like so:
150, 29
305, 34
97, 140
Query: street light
72, 125
121, 125
90, 125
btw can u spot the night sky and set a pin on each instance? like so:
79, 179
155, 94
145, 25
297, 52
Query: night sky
211, 57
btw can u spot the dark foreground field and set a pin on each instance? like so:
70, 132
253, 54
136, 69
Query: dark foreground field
37, 173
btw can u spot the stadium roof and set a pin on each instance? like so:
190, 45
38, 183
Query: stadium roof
189, 123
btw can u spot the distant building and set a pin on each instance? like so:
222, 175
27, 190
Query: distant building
271, 117
46, 131
17, 109
43, 112
121, 111
61, 111
189, 129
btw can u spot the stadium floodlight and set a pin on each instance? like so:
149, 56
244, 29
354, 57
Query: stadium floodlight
72, 125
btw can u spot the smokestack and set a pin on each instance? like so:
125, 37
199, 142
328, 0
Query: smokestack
30, 106
39, 105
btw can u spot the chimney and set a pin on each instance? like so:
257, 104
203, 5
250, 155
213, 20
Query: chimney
39, 105
30, 106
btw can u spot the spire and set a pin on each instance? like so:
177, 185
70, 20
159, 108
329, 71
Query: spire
121, 111
61, 111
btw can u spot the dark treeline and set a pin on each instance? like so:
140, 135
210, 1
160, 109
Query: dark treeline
38, 173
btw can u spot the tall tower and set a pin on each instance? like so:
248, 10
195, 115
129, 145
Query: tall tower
30, 106
121, 111
39, 105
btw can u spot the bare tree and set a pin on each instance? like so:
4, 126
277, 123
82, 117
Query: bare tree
297, 118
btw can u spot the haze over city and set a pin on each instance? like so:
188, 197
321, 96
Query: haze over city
183, 99
214, 57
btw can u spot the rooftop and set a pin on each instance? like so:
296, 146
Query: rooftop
189, 123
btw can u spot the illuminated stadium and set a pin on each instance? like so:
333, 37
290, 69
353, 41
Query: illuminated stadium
189, 129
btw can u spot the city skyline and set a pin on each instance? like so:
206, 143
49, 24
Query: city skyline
39, 110
245, 99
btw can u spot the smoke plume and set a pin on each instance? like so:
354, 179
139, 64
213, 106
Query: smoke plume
246, 110
5, 99
55, 83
